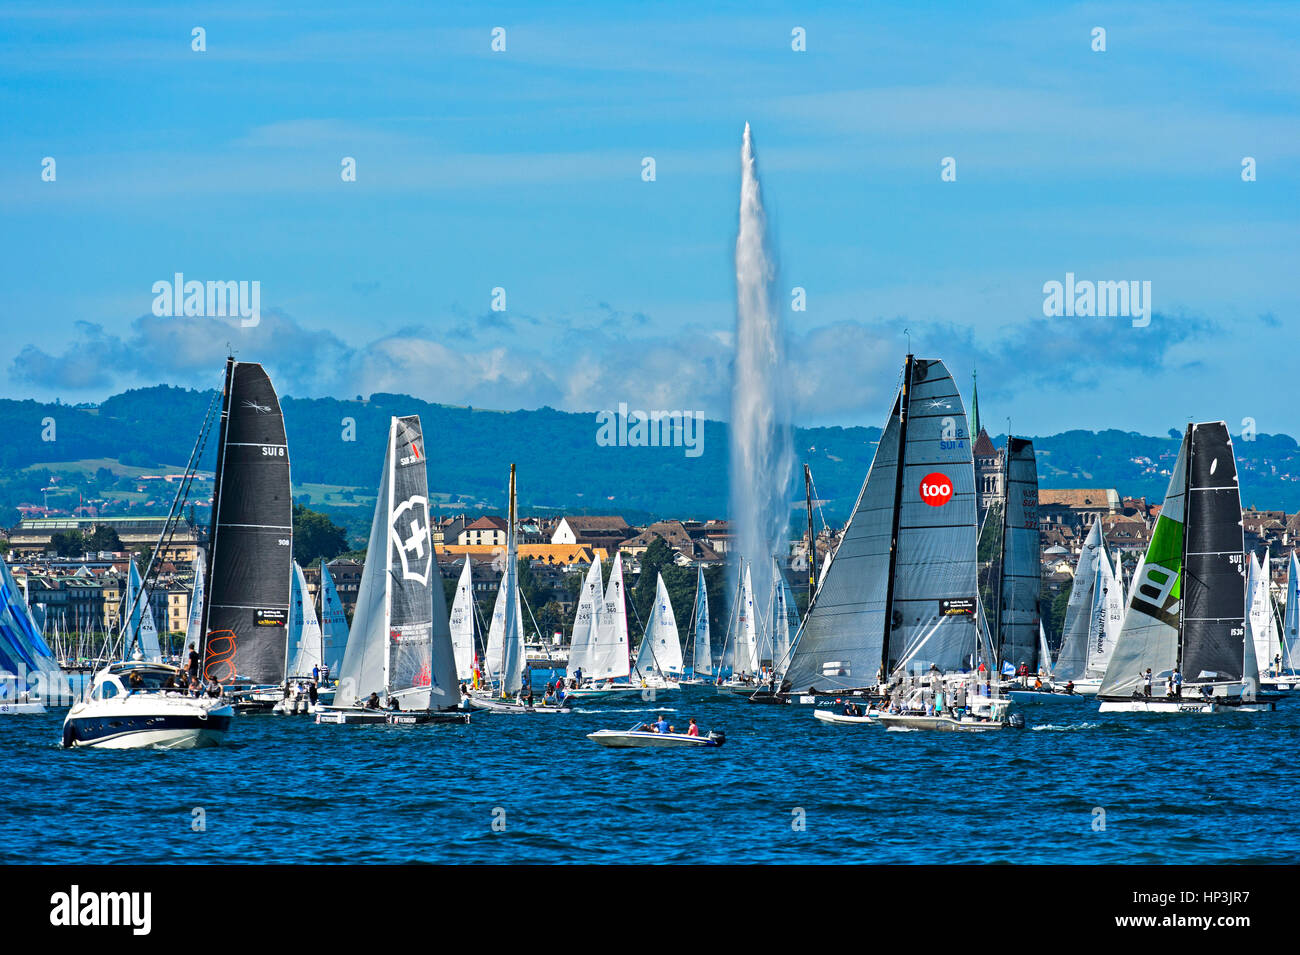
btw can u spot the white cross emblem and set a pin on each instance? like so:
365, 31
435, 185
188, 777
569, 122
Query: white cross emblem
412, 549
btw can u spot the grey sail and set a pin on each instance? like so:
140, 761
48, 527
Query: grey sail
390, 648
935, 593
1017, 613
1073, 656
250, 564
838, 646
1214, 591
925, 607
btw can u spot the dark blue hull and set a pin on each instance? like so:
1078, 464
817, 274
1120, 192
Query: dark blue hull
105, 730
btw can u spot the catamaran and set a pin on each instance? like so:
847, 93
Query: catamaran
1188, 612
399, 666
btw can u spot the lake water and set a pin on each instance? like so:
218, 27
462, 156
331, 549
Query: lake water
784, 788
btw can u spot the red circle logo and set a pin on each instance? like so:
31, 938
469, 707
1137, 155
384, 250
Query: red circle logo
936, 489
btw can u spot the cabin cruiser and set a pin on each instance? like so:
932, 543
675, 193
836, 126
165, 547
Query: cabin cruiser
136, 705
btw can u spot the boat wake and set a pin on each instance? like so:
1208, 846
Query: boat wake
1063, 727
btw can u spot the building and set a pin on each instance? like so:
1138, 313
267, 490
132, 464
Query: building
990, 469
605, 532
486, 531
1077, 508
34, 535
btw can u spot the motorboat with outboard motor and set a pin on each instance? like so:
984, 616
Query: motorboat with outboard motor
644, 736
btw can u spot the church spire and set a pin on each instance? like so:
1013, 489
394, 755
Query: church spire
975, 407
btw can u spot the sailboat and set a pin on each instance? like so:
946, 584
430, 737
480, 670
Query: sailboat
701, 645
511, 692
659, 658
740, 652
608, 666
1089, 613
1016, 620
1289, 677
138, 632
1188, 612
399, 665
305, 651
899, 594
1263, 637
462, 623
24, 654
250, 561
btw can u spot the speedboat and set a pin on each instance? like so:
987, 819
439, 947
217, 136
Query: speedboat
133, 705
641, 736
864, 718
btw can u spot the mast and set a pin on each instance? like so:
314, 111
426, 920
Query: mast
812, 541
391, 478
1002, 552
904, 397
216, 505
1182, 563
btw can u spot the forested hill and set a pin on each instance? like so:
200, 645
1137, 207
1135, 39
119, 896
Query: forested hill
336, 449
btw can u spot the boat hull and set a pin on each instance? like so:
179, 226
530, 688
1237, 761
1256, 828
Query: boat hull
619, 739
158, 730
1188, 705
841, 719
941, 723
28, 706
520, 709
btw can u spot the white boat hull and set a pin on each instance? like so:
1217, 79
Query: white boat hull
945, 723
491, 705
842, 719
27, 706
148, 721
636, 739
1185, 705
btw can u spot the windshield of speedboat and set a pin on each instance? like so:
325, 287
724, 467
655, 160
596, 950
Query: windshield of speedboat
150, 679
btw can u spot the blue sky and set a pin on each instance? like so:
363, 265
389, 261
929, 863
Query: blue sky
522, 169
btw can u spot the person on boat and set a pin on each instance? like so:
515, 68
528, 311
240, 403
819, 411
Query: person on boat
312, 695
548, 698
372, 701
848, 708
559, 692
194, 662
214, 688
661, 726
324, 674
1146, 684
134, 682
693, 729
1176, 682
315, 673
1069, 687
393, 704
1038, 683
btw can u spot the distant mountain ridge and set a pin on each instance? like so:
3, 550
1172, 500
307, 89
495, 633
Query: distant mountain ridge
337, 442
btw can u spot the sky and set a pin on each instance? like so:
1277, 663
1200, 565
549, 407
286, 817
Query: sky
522, 169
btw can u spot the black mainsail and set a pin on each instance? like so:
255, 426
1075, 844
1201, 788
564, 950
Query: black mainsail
1021, 574
250, 567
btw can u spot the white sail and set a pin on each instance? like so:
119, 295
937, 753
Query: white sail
333, 622
609, 652
1291, 619
194, 626
507, 618
746, 659
661, 647
1117, 565
138, 627
586, 620
462, 623
702, 664
1106, 619
1044, 652
783, 613
1072, 659
1262, 623
304, 629
1132, 581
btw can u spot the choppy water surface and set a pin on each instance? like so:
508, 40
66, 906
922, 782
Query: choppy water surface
784, 788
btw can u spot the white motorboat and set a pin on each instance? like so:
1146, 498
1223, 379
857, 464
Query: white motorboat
641, 736
867, 717
131, 706
946, 721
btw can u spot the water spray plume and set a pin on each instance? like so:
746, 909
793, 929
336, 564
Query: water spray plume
762, 457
